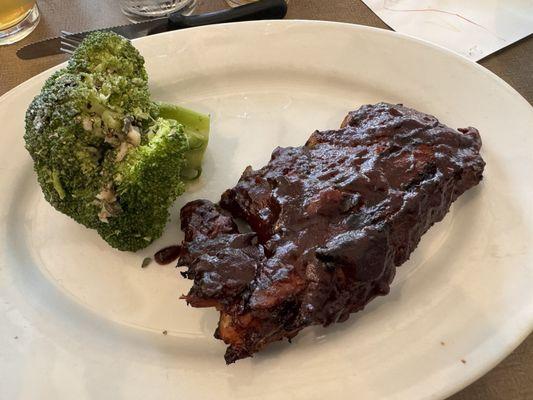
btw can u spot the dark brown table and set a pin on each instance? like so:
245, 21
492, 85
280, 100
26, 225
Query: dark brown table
510, 380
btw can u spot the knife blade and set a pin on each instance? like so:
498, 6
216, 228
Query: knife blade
262, 9
48, 47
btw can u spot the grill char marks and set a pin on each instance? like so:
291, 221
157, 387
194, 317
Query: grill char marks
330, 222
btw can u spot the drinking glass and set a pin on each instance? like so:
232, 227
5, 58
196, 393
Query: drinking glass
236, 3
17, 19
137, 10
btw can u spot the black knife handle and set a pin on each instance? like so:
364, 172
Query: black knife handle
262, 9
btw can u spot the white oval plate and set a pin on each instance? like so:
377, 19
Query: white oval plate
80, 320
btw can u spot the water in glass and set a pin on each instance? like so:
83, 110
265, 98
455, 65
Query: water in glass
140, 9
236, 3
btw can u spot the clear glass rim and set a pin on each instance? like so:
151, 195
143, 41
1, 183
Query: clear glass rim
186, 6
22, 28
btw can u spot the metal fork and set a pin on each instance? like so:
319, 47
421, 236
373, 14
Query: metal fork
69, 41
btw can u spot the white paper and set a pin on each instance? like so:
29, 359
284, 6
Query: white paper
474, 28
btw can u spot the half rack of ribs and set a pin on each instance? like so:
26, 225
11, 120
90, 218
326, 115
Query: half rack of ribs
329, 223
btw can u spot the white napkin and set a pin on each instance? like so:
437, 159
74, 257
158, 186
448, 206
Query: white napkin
474, 28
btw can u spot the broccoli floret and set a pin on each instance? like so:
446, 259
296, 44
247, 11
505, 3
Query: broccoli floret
105, 154
107, 52
147, 181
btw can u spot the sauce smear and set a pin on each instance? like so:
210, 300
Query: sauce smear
167, 255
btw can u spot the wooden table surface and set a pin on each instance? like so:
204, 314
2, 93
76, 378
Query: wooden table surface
510, 380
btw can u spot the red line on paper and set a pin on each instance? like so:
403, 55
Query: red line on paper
442, 12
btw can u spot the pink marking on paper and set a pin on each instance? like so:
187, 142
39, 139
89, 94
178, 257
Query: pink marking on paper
443, 12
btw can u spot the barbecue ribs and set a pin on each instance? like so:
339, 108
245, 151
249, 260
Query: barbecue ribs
329, 223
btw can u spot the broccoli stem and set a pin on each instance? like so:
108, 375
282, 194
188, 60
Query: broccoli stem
196, 128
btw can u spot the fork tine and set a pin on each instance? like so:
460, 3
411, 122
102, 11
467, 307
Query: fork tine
69, 37
68, 45
66, 50
70, 41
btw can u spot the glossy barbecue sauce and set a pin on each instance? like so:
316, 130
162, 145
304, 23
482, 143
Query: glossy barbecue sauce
330, 222
167, 255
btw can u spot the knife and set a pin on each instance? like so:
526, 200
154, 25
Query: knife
262, 9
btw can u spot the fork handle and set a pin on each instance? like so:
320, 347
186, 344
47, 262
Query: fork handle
262, 9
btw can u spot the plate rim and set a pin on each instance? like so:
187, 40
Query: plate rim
344, 25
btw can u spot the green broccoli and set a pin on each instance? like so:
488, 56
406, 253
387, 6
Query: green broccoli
105, 154
107, 52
